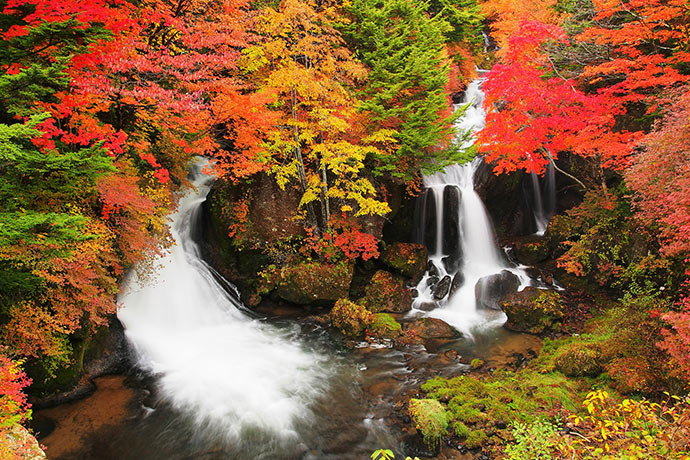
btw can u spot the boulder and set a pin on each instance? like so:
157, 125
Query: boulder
532, 310
387, 293
490, 289
431, 328
451, 223
432, 269
458, 281
312, 282
440, 290
384, 326
580, 360
452, 263
350, 318
408, 259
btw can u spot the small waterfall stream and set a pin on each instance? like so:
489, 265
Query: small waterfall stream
543, 197
458, 232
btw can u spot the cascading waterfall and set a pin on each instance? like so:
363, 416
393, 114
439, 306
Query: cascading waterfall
543, 197
462, 249
231, 373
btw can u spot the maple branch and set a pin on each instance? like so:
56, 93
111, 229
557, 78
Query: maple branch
558, 74
555, 166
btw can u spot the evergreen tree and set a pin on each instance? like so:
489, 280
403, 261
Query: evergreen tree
404, 48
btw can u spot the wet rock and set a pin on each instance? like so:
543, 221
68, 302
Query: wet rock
441, 289
532, 310
432, 269
94, 354
451, 355
312, 282
414, 447
452, 263
426, 306
408, 259
427, 203
432, 280
490, 289
431, 328
451, 222
502, 194
387, 293
106, 351
458, 281
545, 277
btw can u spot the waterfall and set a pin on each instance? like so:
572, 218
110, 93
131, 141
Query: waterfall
231, 373
543, 194
463, 251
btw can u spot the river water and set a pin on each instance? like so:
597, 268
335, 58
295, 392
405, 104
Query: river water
212, 381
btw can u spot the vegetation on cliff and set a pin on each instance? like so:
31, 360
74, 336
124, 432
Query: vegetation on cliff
329, 110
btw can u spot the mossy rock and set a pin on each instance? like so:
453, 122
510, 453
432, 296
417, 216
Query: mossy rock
387, 293
349, 318
532, 310
580, 360
312, 282
408, 259
477, 402
532, 252
384, 326
430, 419
476, 364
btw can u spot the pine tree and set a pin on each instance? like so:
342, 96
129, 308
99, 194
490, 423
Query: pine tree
404, 48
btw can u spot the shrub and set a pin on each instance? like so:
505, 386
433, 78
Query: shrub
534, 441
630, 429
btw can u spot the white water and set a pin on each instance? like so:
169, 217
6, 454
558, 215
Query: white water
232, 374
543, 198
480, 255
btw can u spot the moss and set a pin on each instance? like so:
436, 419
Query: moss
431, 419
476, 364
502, 398
579, 360
476, 439
460, 429
408, 259
386, 292
351, 319
384, 326
308, 281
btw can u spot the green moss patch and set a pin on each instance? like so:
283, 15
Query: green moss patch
431, 419
384, 326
